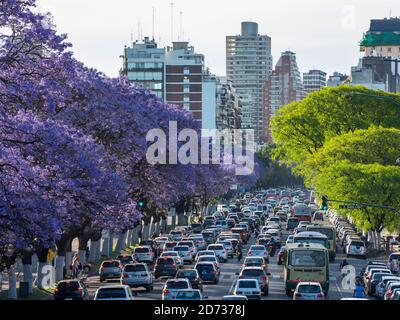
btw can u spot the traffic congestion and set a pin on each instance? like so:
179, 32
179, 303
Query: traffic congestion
273, 244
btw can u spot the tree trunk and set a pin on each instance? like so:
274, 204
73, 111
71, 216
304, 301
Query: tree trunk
93, 250
12, 283
145, 231
105, 250
134, 237
129, 238
68, 257
164, 225
111, 244
27, 268
42, 270
379, 240
60, 265
120, 243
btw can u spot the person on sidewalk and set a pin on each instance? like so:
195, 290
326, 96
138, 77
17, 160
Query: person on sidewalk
75, 267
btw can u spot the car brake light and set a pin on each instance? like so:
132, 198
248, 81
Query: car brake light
166, 291
80, 290
264, 278
320, 296
56, 290
126, 275
297, 294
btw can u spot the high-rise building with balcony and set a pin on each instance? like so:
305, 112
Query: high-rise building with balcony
283, 87
175, 74
314, 80
248, 66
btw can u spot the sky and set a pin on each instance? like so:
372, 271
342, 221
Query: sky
324, 34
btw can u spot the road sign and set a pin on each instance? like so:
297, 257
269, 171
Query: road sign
351, 207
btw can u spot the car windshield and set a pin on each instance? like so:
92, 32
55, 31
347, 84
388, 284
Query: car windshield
309, 289
325, 231
216, 247
73, 285
258, 248
186, 274
308, 258
253, 273
179, 248
111, 293
177, 285
247, 284
254, 261
134, 268
142, 250
165, 261
357, 244
205, 267
190, 295
170, 244
113, 264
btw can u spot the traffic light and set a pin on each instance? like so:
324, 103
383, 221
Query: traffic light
324, 203
141, 202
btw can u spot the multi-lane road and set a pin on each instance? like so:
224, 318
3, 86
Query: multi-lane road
228, 278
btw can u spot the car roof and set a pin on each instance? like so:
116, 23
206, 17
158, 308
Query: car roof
120, 286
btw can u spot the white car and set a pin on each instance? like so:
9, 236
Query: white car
356, 248
185, 253
212, 259
174, 254
249, 288
258, 251
173, 286
205, 253
308, 291
220, 251
228, 246
137, 275
290, 239
144, 254
118, 292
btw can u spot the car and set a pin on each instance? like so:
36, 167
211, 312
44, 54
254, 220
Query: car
374, 279
199, 241
220, 251
389, 290
258, 251
175, 255
249, 288
196, 228
190, 295
290, 239
259, 274
184, 253
318, 215
137, 275
110, 269
191, 245
356, 248
242, 232
228, 246
205, 253
193, 277
234, 297
208, 272
144, 254
165, 267
71, 290
255, 262
176, 235
125, 259
169, 246
308, 291
173, 286
380, 288
292, 223
118, 292
212, 259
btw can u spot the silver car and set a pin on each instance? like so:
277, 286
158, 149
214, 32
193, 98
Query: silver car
110, 269
137, 275
308, 291
174, 254
173, 286
144, 254
184, 253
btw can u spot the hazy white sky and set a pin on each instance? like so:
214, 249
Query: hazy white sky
323, 33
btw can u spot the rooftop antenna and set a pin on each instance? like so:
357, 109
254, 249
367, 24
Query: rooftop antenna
172, 21
180, 25
132, 36
153, 22
138, 29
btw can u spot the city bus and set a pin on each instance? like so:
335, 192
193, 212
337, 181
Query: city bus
306, 262
302, 212
311, 237
330, 232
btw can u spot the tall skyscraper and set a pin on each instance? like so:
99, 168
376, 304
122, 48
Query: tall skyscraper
248, 66
314, 80
175, 74
283, 87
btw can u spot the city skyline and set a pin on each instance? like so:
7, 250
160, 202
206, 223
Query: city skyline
342, 22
